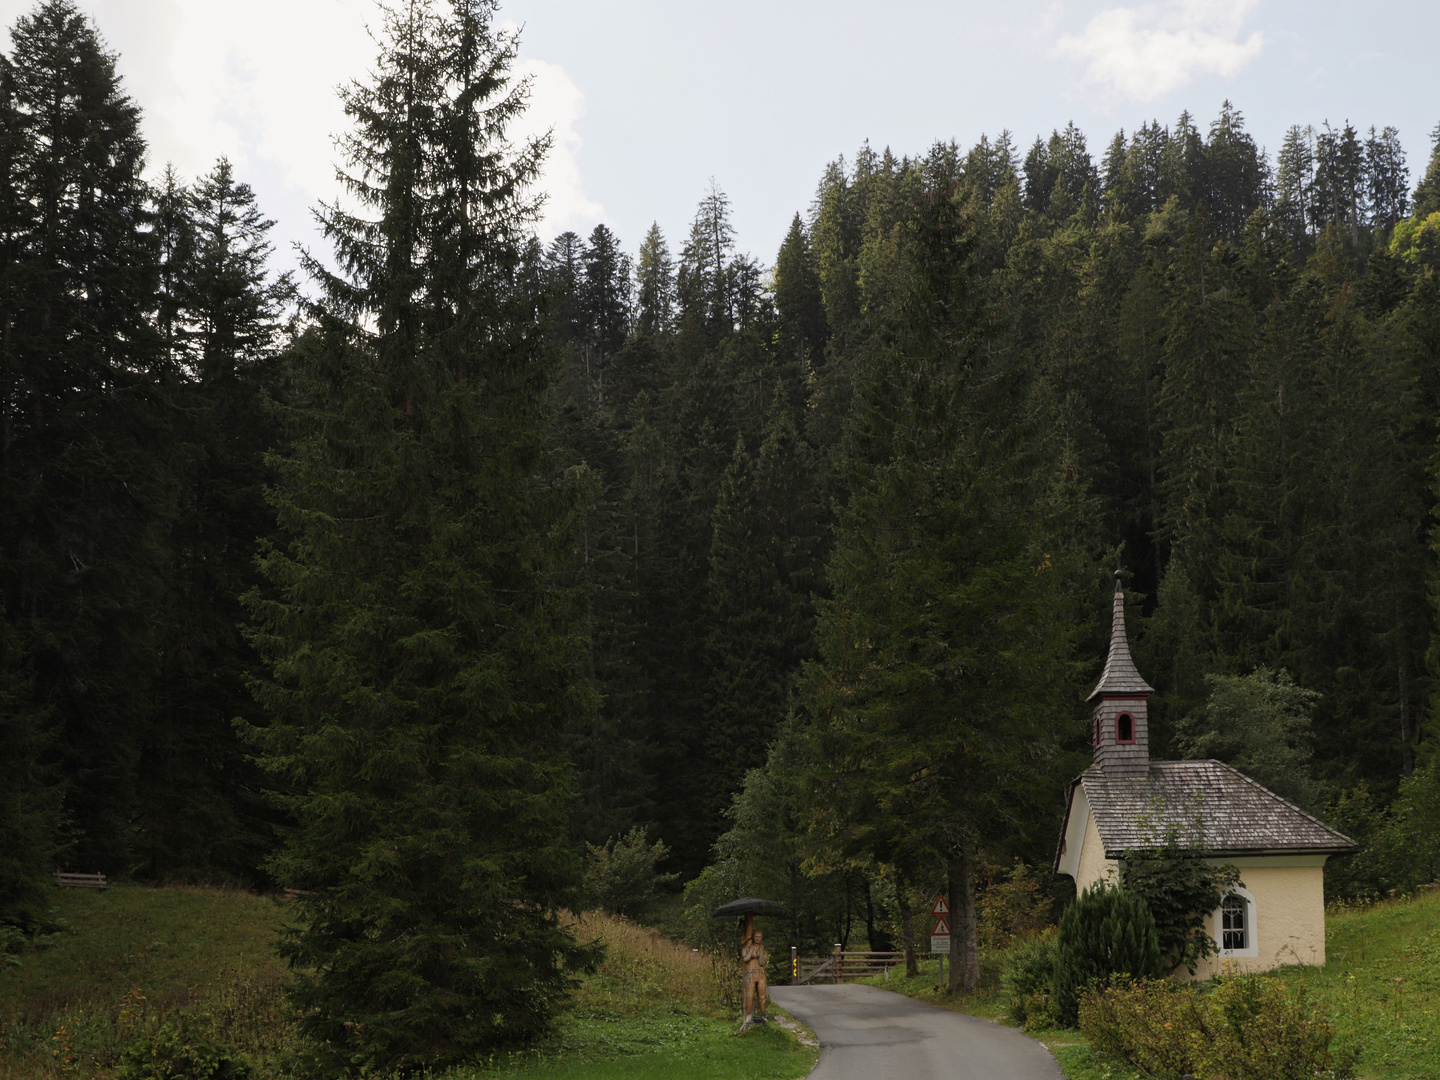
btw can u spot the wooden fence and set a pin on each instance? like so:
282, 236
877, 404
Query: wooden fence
841, 966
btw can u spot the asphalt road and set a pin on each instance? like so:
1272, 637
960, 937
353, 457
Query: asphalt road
871, 1034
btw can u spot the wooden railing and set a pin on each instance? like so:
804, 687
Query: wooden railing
68, 880
842, 966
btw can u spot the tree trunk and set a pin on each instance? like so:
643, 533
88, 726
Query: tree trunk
880, 940
964, 938
907, 926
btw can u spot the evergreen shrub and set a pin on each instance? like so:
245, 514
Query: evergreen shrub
1027, 979
1249, 1027
1106, 932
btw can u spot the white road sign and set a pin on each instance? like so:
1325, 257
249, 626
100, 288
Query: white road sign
940, 936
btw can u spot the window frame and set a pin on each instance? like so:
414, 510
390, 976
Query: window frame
1252, 926
1118, 740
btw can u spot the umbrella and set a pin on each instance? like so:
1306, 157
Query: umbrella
750, 905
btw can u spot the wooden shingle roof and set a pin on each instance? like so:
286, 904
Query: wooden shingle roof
1208, 805
1120, 675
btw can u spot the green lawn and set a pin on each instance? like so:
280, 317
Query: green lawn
663, 1046
1381, 982
133, 957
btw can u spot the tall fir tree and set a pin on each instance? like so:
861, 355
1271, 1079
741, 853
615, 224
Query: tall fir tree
798, 300
1340, 181
1427, 191
654, 285
605, 292
1294, 186
1236, 175
222, 317
935, 698
565, 268
1182, 165
86, 419
421, 653
764, 568
703, 285
1386, 179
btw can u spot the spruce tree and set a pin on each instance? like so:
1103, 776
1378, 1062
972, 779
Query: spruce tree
763, 567
605, 301
1236, 175
803, 330
222, 320
1427, 191
703, 284
86, 436
564, 267
421, 653
1340, 180
654, 285
1386, 178
935, 698
1182, 165
1295, 186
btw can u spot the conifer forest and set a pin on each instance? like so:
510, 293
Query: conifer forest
416, 579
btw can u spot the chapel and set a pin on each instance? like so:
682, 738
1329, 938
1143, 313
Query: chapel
1127, 803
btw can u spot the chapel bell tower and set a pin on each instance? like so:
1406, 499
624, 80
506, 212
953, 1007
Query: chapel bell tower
1121, 728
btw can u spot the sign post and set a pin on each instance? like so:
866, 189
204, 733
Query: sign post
940, 931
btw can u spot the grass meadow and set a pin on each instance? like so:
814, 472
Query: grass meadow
133, 958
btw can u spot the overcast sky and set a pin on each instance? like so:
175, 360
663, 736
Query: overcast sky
649, 99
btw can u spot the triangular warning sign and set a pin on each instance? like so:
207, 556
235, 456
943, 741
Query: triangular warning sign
940, 907
940, 929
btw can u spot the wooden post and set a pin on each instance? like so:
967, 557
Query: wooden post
839, 960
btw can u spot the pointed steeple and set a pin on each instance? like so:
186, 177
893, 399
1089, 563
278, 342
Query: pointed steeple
1120, 675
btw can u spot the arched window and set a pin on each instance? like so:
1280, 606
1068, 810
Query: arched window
1233, 930
1124, 728
1235, 927
1097, 733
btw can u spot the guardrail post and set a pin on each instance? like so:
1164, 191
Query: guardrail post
837, 970
794, 965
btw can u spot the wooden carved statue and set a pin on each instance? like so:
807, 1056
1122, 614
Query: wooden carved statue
753, 956
752, 952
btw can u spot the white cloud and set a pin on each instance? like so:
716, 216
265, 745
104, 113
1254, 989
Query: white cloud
1049, 20
1145, 52
257, 82
557, 104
